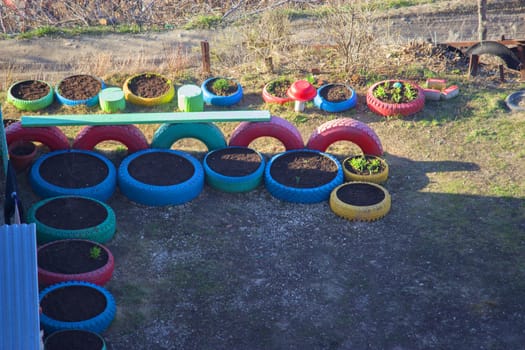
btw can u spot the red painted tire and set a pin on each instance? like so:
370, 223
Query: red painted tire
276, 127
129, 135
392, 109
50, 136
345, 129
269, 98
99, 276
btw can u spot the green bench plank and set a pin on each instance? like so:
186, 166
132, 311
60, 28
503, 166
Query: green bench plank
142, 118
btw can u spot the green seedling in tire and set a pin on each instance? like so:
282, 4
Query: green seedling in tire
364, 165
94, 252
222, 87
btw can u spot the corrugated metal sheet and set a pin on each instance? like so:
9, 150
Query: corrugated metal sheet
19, 317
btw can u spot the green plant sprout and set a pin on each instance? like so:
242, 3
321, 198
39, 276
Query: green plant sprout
364, 165
94, 252
221, 85
396, 92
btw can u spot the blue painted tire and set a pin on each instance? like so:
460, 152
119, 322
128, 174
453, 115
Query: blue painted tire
211, 99
102, 190
208, 133
335, 107
90, 102
97, 324
226, 183
301, 195
155, 195
101, 232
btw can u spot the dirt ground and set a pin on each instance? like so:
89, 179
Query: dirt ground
442, 270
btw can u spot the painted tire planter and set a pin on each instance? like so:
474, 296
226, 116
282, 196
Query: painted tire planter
158, 177
22, 154
50, 136
73, 260
516, 101
87, 218
276, 127
268, 97
345, 129
129, 135
84, 173
310, 192
112, 100
324, 104
241, 169
86, 90
138, 90
76, 305
211, 98
354, 175
208, 133
74, 339
30, 95
360, 201
387, 109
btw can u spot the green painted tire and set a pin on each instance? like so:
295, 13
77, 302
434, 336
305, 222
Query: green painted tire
377, 198
208, 133
30, 105
148, 101
102, 232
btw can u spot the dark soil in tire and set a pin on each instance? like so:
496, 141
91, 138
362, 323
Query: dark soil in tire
234, 161
279, 88
336, 93
79, 87
74, 339
303, 169
360, 194
71, 213
71, 257
30, 90
161, 169
73, 303
74, 170
230, 90
148, 85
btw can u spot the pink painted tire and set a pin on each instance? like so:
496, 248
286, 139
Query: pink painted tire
276, 127
345, 129
395, 109
129, 135
99, 276
269, 98
50, 136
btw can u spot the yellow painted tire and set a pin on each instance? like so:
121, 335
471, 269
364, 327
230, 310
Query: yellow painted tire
378, 178
148, 101
357, 211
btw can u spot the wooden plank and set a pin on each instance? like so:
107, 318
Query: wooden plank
142, 118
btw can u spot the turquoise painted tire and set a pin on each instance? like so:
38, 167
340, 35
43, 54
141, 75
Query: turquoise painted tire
90, 102
301, 195
156, 195
74, 339
30, 105
101, 232
226, 183
98, 323
102, 190
208, 133
211, 99
335, 107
